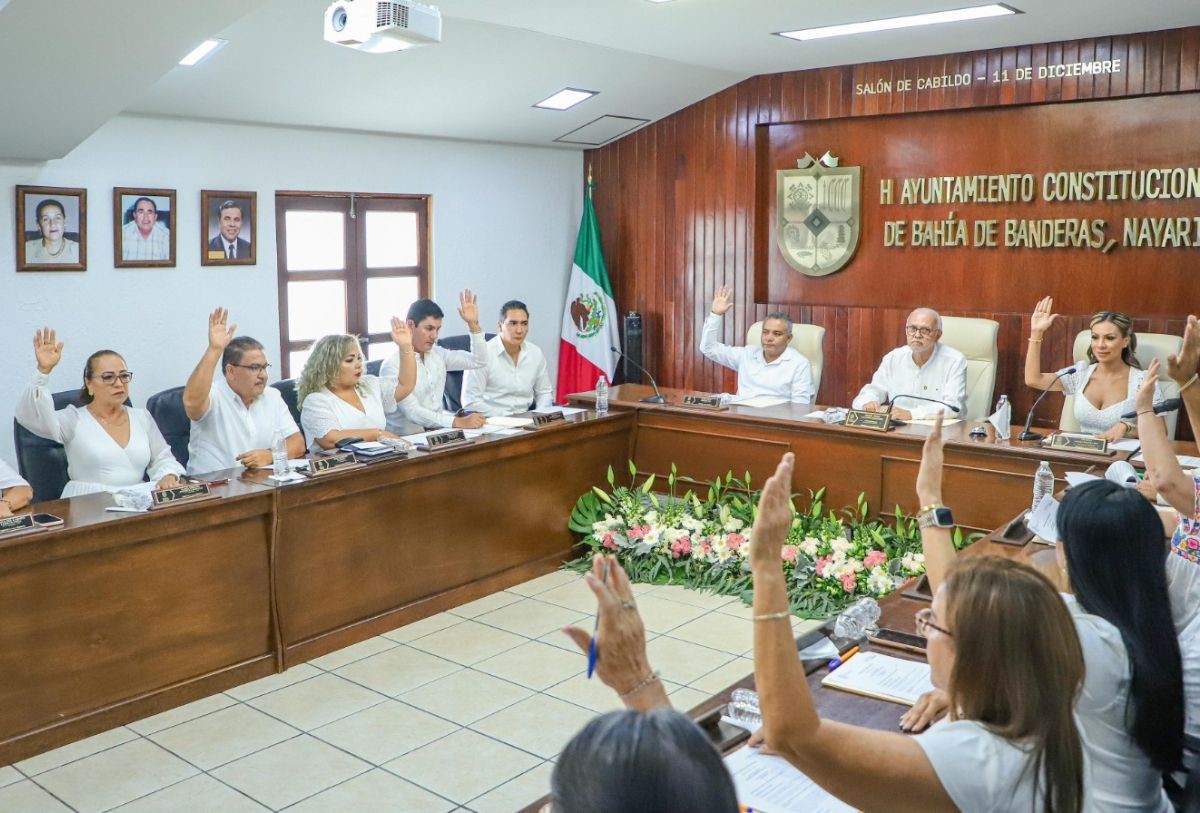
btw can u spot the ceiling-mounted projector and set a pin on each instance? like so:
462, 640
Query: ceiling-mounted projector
381, 26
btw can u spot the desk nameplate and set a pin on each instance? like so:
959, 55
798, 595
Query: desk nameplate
319, 466
1088, 444
18, 525
450, 439
709, 402
544, 419
875, 421
180, 495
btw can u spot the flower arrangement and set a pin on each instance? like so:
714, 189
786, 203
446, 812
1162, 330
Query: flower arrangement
830, 559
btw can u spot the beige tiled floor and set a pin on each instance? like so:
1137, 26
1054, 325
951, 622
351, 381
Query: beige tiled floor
463, 711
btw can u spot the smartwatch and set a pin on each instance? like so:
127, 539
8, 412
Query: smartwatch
936, 516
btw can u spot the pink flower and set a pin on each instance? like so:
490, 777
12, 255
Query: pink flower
681, 547
875, 557
637, 532
789, 553
823, 563
849, 582
610, 542
735, 541
1193, 543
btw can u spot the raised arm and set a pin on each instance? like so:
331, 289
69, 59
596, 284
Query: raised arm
35, 407
199, 383
710, 338
1039, 323
1183, 371
406, 378
860, 766
936, 543
1162, 467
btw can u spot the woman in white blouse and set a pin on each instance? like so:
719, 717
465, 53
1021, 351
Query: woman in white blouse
109, 445
1104, 386
338, 401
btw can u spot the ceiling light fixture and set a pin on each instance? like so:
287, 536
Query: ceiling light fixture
909, 21
566, 99
202, 52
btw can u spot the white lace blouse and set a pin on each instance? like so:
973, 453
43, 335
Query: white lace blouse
1091, 419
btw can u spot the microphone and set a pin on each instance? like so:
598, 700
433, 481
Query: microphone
892, 402
1169, 405
1025, 433
657, 397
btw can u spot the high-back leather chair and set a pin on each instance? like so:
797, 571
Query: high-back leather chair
975, 339
807, 340
1149, 347
43, 462
452, 395
166, 408
287, 389
373, 366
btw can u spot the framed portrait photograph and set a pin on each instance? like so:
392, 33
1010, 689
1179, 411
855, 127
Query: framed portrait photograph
227, 228
143, 227
51, 228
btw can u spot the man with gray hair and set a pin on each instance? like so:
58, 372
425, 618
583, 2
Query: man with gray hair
923, 367
774, 369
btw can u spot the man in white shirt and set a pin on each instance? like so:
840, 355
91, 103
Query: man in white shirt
516, 375
15, 492
234, 416
144, 238
424, 405
924, 367
774, 368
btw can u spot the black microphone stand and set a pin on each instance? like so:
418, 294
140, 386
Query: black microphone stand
657, 397
1026, 434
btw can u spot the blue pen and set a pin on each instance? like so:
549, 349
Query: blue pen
593, 650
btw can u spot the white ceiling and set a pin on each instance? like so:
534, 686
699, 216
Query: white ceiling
88, 60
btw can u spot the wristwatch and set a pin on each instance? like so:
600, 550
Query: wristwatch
935, 516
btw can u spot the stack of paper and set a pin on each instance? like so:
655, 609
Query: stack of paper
770, 783
882, 677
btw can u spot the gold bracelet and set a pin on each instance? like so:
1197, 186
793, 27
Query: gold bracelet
774, 616
1143, 412
650, 678
1035, 341
1189, 382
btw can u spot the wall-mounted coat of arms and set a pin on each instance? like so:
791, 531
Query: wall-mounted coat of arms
818, 214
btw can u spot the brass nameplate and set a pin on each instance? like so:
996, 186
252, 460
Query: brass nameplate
180, 495
712, 402
875, 421
436, 441
541, 419
1079, 443
325, 464
23, 522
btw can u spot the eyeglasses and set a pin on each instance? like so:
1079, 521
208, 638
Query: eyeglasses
925, 623
111, 378
254, 368
924, 332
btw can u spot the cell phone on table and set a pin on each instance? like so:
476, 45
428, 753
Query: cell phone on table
896, 639
47, 521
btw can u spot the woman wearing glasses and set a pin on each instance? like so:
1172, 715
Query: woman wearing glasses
1104, 385
109, 445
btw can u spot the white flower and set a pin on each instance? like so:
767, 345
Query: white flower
724, 554
810, 546
654, 537
913, 562
651, 517
733, 524
880, 581
839, 545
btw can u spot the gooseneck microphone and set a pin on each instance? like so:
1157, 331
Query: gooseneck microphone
657, 397
1025, 433
1169, 405
892, 402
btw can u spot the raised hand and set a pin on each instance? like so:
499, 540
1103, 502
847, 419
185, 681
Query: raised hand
929, 476
1182, 366
468, 309
722, 300
401, 334
1144, 400
220, 333
1042, 317
774, 517
47, 349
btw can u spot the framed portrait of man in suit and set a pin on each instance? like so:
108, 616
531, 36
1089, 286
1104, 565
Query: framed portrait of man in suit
227, 230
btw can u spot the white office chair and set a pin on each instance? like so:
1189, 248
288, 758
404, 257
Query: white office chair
807, 340
975, 339
1150, 346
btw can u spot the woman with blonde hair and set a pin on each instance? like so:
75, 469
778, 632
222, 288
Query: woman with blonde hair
1104, 385
338, 401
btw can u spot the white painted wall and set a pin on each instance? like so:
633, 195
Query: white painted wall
504, 222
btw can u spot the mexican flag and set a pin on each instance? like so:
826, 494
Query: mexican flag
589, 325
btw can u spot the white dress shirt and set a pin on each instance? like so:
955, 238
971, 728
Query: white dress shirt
423, 406
135, 247
505, 387
789, 376
95, 462
9, 477
943, 376
230, 428
323, 412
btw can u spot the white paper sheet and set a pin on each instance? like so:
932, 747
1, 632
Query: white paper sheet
1186, 461
1078, 478
932, 421
1127, 445
1043, 520
760, 401
510, 423
569, 411
881, 676
770, 783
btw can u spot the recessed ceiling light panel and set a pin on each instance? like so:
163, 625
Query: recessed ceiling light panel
202, 52
933, 18
566, 99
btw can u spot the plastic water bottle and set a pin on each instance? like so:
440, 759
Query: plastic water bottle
744, 708
601, 396
1004, 418
858, 620
279, 455
1043, 484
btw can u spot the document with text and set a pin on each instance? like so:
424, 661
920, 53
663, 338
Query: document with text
882, 677
770, 784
